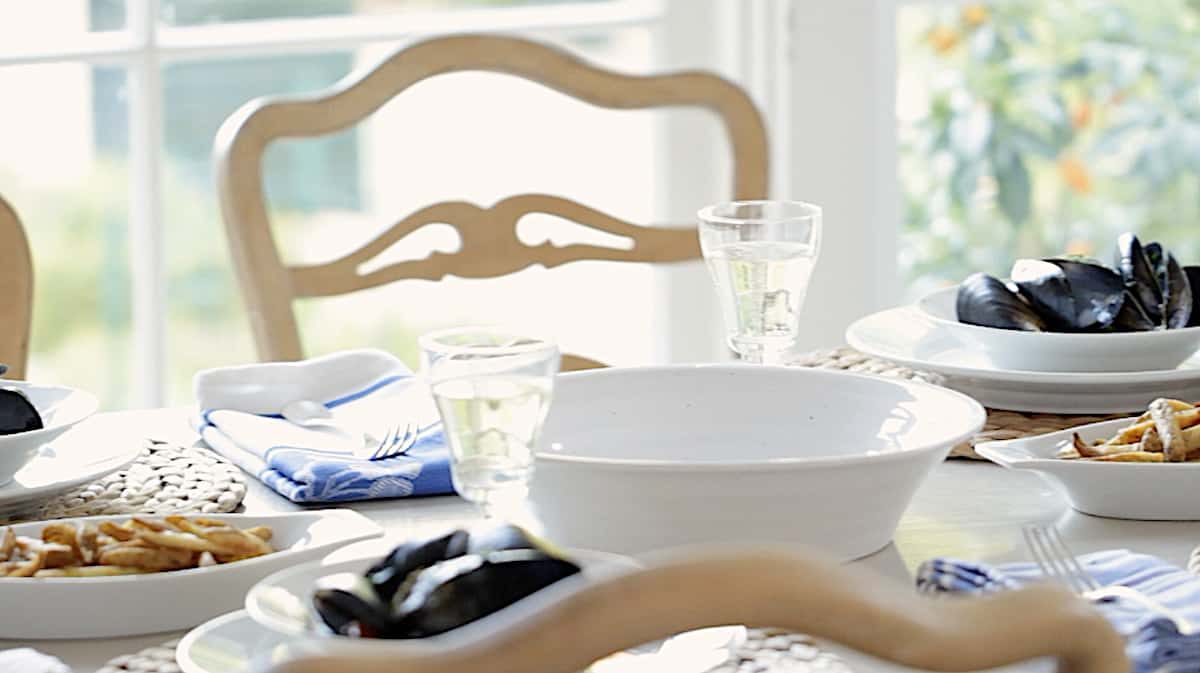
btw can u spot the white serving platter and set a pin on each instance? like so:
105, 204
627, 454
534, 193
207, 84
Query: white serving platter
105, 607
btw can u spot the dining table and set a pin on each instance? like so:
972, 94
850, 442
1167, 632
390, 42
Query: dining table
966, 509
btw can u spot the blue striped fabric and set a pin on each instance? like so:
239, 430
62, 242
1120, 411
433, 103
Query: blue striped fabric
1153, 643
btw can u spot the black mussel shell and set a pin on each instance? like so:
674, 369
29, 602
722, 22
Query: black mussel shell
347, 603
1139, 275
462, 590
17, 413
502, 537
3, 368
1193, 276
985, 301
1071, 295
388, 575
1132, 317
1178, 299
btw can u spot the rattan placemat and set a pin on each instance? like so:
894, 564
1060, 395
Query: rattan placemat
1000, 424
164, 479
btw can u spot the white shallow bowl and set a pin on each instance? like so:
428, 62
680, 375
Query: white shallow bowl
105, 607
646, 459
282, 604
60, 408
1145, 491
1064, 352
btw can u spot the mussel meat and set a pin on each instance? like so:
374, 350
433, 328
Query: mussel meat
1178, 300
1071, 295
985, 301
348, 604
462, 590
17, 413
1139, 275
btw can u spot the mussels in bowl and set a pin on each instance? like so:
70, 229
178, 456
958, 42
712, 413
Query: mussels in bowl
1072, 314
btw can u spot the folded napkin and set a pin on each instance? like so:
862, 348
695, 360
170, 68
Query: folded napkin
367, 390
1152, 641
27, 660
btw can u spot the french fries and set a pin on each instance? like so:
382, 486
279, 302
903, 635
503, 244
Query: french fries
136, 546
1169, 432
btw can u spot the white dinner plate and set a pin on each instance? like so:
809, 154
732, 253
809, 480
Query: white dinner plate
76, 458
235, 643
106, 607
905, 336
1143, 491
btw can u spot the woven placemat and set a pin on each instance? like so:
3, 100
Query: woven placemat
1000, 424
764, 650
164, 479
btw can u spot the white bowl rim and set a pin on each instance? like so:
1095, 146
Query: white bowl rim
923, 305
88, 405
975, 422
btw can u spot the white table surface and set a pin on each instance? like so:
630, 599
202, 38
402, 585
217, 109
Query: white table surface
966, 509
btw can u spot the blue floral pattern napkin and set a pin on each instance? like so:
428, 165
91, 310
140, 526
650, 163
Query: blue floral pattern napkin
368, 389
1152, 641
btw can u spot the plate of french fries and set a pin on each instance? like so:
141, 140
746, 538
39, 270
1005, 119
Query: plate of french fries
106, 576
1144, 467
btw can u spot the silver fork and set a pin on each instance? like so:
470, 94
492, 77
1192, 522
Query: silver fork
1058, 564
395, 442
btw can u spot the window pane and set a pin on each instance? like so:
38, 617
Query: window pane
197, 12
471, 136
68, 182
38, 25
1033, 128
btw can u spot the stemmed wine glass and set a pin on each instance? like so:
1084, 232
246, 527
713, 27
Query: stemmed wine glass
761, 255
493, 390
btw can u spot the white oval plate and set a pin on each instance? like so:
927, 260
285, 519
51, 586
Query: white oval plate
76, 458
235, 643
905, 336
105, 607
1145, 491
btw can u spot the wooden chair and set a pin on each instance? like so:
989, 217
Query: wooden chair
490, 246
16, 292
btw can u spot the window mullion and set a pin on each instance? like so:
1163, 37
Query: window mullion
146, 240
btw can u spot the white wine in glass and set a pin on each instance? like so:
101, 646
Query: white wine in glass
493, 391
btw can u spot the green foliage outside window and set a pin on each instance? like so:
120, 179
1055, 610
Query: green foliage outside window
1037, 128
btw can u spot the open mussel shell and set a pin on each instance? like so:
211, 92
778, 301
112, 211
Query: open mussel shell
457, 592
388, 575
986, 301
1139, 275
347, 604
17, 413
1071, 295
1179, 300
1132, 317
1193, 276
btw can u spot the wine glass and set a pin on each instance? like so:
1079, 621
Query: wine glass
493, 390
761, 255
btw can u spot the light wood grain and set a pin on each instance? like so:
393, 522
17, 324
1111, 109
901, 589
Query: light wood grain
16, 292
792, 591
490, 246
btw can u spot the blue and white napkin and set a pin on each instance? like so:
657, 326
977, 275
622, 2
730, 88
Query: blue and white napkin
366, 390
1152, 641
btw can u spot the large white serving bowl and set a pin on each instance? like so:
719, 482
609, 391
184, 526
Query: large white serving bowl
646, 459
1016, 350
60, 407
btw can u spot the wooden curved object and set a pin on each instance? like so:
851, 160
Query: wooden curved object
848, 606
16, 292
490, 246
